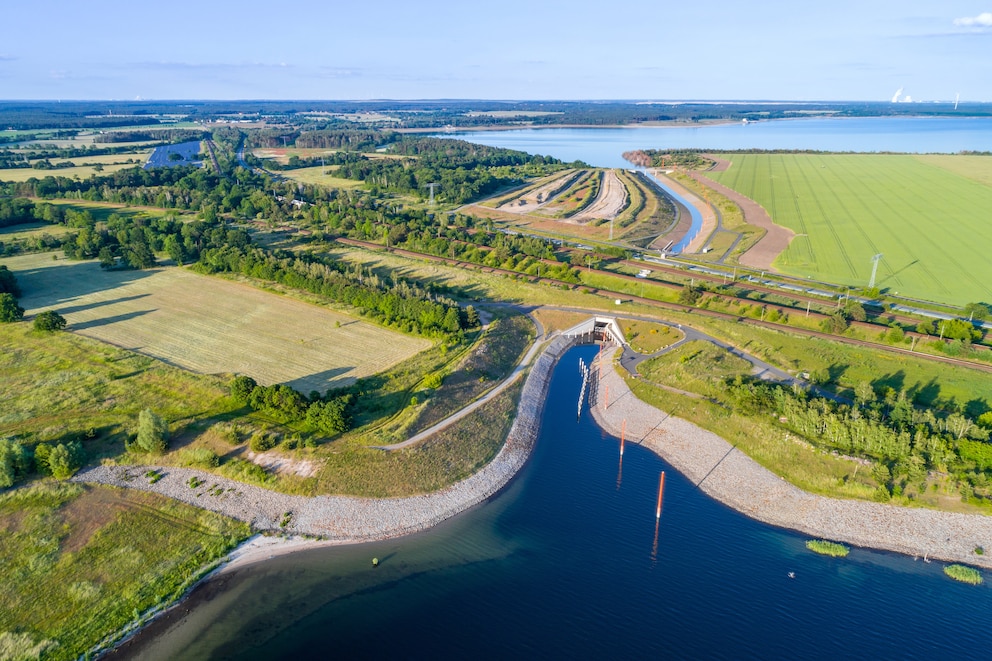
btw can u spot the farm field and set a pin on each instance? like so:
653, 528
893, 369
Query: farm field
211, 325
23, 231
926, 215
315, 175
108, 163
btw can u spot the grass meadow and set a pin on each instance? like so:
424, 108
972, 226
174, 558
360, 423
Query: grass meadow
926, 214
211, 325
80, 562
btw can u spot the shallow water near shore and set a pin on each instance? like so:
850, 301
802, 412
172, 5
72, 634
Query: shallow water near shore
563, 563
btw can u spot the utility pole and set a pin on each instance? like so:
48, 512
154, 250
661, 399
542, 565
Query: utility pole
874, 270
430, 202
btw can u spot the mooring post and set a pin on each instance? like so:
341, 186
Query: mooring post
661, 492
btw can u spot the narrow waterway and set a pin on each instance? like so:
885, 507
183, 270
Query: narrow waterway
565, 564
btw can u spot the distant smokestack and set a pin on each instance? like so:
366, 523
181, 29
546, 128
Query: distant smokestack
895, 97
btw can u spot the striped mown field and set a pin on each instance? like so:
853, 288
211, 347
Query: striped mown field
211, 325
928, 215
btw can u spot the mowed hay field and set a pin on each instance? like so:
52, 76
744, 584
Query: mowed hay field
210, 325
928, 216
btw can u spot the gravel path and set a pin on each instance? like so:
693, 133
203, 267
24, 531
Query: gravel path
736, 480
349, 519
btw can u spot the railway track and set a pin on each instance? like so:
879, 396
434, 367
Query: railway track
685, 309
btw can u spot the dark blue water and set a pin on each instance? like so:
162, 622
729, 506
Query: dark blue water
565, 564
603, 147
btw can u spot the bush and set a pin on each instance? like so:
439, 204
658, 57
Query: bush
262, 442
41, 453
246, 471
49, 321
241, 388
9, 309
14, 462
202, 457
65, 459
153, 433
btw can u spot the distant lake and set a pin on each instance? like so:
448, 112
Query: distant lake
565, 564
602, 147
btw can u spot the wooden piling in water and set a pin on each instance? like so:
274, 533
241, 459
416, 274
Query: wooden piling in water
661, 493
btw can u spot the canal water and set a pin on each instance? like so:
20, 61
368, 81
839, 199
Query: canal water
565, 563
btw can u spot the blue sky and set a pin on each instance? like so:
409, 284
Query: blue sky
505, 49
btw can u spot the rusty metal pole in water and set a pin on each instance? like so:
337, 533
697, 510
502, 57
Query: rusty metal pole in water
661, 493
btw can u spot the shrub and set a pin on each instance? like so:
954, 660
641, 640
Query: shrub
153, 433
49, 321
9, 309
261, 442
202, 457
14, 462
65, 459
41, 453
246, 471
241, 388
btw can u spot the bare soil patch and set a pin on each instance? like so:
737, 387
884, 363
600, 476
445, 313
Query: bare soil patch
719, 164
609, 203
776, 238
536, 198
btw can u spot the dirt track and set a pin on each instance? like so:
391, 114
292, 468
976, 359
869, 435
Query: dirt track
537, 198
776, 238
611, 200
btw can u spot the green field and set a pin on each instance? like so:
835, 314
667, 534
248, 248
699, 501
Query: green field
925, 214
80, 562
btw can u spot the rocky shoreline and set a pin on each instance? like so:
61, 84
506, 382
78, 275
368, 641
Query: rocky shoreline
343, 519
738, 481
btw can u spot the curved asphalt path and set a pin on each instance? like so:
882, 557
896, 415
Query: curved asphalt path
629, 360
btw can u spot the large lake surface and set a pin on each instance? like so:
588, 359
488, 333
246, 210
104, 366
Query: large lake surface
567, 563
603, 147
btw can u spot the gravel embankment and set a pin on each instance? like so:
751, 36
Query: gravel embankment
348, 519
736, 480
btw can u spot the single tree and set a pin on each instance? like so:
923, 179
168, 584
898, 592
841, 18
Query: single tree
65, 459
153, 433
49, 320
9, 309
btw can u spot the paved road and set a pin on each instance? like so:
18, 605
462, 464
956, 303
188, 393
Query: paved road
503, 385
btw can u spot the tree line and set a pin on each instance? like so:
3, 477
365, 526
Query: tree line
904, 441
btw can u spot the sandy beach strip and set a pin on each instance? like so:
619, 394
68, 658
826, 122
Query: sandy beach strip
733, 478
